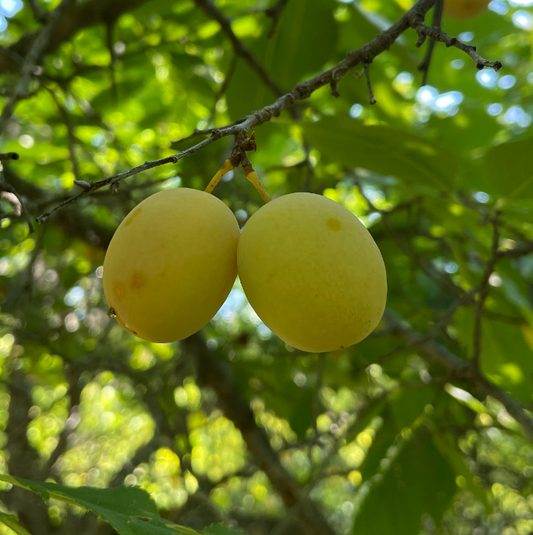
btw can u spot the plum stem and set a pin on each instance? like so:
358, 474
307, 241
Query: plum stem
227, 166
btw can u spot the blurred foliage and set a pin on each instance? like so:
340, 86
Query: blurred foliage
382, 440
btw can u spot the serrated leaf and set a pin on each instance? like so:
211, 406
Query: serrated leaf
129, 510
383, 150
419, 481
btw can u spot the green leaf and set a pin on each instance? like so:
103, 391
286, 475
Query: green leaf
408, 404
505, 353
419, 481
383, 150
508, 169
401, 410
382, 441
12, 522
129, 510
447, 444
285, 56
281, 394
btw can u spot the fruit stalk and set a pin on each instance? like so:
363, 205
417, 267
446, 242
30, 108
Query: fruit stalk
227, 166
251, 175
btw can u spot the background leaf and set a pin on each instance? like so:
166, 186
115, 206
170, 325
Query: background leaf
384, 151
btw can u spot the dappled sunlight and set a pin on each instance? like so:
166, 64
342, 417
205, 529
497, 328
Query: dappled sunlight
420, 427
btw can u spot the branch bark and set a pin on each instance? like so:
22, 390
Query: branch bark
214, 373
461, 369
75, 18
212, 11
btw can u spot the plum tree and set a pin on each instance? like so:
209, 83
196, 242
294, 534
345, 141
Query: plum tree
171, 264
312, 272
464, 9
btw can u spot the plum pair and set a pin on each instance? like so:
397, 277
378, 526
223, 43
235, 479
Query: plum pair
308, 266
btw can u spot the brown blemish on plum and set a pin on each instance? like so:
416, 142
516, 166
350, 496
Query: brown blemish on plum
119, 290
138, 280
333, 224
132, 216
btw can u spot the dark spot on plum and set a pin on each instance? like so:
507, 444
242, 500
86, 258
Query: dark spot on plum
138, 280
333, 224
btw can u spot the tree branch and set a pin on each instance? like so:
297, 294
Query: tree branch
8, 156
302, 91
71, 138
213, 372
34, 55
275, 13
437, 21
38, 13
372, 98
5, 186
438, 35
460, 369
212, 11
75, 18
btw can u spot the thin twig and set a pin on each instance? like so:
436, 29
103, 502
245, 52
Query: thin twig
517, 252
112, 181
8, 156
212, 11
437, 22
71, 138
78, 16
460, 369
302, 91
30, 62
438, 35
5, 186
38, 13
369, 84
275, 13
405, 246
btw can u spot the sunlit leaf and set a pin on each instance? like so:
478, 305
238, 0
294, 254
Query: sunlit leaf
383, 150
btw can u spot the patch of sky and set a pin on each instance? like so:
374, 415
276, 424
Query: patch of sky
444, 103
494, 109
521, 3
523, 20
74, 296
356, 110
234, 303
481, 197
507, 81
8, 8
466, 37
488, 78
499, 7
517, 115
